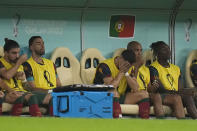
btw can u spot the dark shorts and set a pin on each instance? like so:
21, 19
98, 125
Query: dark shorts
121, 99
40, 96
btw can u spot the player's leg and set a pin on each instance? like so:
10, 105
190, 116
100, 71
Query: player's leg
175, 102
142, 99
156, 99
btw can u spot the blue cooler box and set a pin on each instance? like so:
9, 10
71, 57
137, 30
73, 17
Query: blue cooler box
89, 104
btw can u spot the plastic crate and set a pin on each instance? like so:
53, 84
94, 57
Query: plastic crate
89, 104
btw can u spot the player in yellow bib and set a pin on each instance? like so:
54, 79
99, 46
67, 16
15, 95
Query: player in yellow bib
165, 77
117, 72
13, 79
142, 73
41, 72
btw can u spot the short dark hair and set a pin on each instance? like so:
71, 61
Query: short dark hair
157, 46
131, 44
10, 44
31, 40
129, 56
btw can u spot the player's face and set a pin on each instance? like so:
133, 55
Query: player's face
137, 50
38, 47
165, 52
122, 61
13, 54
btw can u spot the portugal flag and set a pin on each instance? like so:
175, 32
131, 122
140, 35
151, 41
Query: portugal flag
122, 26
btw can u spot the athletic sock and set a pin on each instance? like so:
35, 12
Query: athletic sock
16, 110
51, 107
1, 101
17, 107
34, 109
144, 108
117, 113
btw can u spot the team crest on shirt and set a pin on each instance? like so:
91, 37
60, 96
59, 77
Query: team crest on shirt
170, 80
100, 70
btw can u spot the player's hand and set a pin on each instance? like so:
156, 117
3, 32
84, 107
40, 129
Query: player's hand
124, 66
20, 75
22, 59
1, 94
16, 93
155, 85
12, 96
135, 86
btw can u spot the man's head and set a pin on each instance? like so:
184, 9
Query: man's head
36, 45
135, 47
11, 50
161, 50
128, 55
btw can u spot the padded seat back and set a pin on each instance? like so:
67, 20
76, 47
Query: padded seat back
118, 52
192, 56
147, 57
90, 59
1, 51
67, 65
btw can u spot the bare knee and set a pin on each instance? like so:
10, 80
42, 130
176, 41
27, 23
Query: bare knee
178, 107
177, 99
143, 94
156, 99
47, 99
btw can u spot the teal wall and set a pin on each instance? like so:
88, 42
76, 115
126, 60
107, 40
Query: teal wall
57, 27
150, 27
182, 46
61, 27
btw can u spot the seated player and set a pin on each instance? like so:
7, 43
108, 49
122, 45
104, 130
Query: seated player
41, 72
117, 72
13, 78
165, 77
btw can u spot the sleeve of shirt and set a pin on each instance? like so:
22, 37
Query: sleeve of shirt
101, 72
104, 70
28, 71
153, 73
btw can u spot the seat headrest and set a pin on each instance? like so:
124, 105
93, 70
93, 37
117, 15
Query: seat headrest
191, 57
147, 57
67, 65
90, 59
118, 52
1, 51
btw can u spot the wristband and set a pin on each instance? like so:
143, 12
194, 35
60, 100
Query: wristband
126, 74
23, 81
50, 91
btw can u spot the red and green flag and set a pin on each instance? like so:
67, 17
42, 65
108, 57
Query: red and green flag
122, 26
